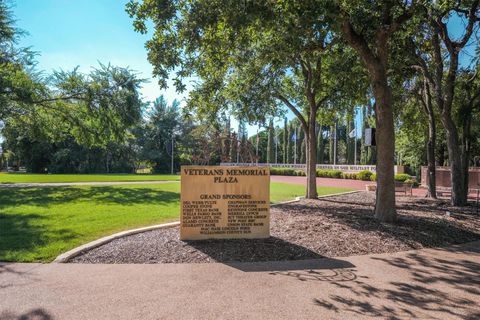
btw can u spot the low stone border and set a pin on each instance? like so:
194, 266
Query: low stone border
64, 257
338, 194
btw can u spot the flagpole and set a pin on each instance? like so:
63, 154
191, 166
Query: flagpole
295, 154
355, 139
258, 138
276, 147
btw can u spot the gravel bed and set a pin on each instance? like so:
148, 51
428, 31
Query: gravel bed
329, 227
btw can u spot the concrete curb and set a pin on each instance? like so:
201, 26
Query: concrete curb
64, 257
339, 194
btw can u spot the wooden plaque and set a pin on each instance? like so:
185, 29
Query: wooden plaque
222, 202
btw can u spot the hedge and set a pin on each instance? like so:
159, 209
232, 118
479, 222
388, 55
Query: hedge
350, 175
364, 175
402, 177
336, 174
282, 172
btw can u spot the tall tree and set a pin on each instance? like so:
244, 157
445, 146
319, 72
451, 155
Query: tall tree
251, 56
438, 59
368, 27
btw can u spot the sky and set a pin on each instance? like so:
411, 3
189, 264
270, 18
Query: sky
68, 33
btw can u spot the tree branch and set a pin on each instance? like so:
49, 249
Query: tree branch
294, 110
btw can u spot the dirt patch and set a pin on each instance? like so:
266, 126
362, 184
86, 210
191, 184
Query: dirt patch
329, 227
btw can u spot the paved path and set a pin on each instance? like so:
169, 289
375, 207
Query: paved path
69, 184
351, 184
422, 284
324, 182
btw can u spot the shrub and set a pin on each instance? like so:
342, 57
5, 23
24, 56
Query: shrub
364, 175
336, 174
282, 172
300, 173
402, 177
349, 175
373, 177
412, 182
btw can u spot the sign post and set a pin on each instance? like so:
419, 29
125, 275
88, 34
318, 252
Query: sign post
222, 202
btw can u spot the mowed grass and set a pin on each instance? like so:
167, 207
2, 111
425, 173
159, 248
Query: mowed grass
38, 224
49, 178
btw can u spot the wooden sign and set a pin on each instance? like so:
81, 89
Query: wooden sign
222, 202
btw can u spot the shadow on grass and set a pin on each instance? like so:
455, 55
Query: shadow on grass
24, 233
99, 194
426, 293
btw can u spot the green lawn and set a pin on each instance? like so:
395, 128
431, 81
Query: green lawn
40, 178
37, 224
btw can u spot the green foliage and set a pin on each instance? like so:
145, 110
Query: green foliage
414, 183
350, 175
402, 177
300, 173
373, 177
337, 174
364, 175
282, 172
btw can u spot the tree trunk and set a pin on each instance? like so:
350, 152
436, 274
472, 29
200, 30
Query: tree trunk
431, 169
426, 100
385, 139
459, 196
311, 145
466, 141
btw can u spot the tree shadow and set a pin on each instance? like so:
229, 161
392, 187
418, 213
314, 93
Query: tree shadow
47, 196
431, 290
419, 224
270, 254
24, 232
34, 314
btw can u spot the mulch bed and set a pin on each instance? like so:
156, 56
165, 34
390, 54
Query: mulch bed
331, 227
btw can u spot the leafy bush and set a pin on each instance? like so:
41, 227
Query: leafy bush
349, 175
364, 175
373, 177
412, 182
402, 177
282, 172
300, 173
336, 174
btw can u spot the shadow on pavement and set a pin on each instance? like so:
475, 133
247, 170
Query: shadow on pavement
298, 265
434, 288
34, 314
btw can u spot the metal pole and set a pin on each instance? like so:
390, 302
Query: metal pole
295, 154
171, 165
256, 152
354, 141
335, 144
238, 151
276, 148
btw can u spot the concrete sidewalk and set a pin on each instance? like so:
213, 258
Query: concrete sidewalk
424, 284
